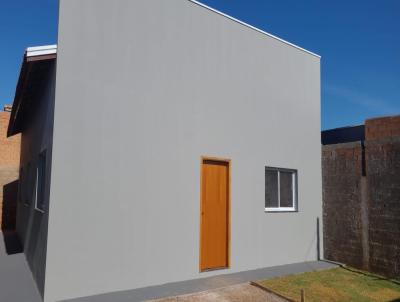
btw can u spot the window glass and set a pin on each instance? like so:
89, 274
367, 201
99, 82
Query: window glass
40, 182
286, 189
27, 185
20, 185
271, 189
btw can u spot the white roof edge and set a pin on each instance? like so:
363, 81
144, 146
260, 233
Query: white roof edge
254, 28
41, 50
52, 49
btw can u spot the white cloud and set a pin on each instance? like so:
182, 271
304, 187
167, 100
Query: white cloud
374, 104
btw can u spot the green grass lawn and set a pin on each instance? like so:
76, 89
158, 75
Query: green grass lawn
337, 284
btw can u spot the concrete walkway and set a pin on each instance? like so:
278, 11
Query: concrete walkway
204, 284
16, 281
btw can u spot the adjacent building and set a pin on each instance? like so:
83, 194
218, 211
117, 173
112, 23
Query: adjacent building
164, 141
9, 170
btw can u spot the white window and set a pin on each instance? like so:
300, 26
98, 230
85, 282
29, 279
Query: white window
40, 183
280, 190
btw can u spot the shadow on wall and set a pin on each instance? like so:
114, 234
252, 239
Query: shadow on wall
10, 193
12, 243
8, 221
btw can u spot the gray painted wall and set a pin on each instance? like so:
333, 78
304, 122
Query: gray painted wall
32, 224
144, 89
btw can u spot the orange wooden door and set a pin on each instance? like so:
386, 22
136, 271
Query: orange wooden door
214, 245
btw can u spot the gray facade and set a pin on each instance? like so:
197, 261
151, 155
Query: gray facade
143, 90
36, 138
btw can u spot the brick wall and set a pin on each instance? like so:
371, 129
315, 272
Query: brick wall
363, 230
379, 128
9, 147
9, 170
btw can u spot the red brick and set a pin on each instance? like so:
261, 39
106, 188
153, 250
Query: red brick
382, 127
9, 168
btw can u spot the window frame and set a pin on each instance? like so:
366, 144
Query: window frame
294, 172
42, 158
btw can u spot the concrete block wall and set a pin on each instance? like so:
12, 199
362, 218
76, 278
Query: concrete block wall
9, 172
383, 170
341, 166
362, 213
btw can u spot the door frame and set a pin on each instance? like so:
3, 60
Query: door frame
228, 241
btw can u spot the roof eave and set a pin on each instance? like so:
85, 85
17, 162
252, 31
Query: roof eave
32, 55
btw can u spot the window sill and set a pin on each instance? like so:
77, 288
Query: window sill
39, 210
280, 210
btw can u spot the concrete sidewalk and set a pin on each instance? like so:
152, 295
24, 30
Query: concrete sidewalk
16, 281
204, 284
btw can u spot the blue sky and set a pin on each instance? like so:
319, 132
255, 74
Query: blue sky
359, 42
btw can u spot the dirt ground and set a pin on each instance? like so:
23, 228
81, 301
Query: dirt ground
235, 293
